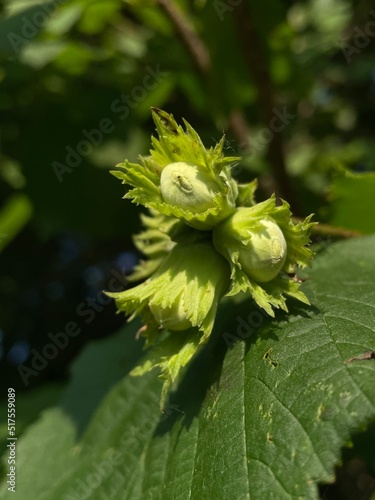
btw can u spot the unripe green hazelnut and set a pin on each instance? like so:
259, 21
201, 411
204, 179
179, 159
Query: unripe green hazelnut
265, 254
171, 318
188, 187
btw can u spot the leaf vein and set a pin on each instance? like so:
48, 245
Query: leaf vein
272, 472
295, 418
345, 367
347, 298
244, 423
350, 320
195, 459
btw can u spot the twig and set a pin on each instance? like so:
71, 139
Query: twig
188, 36
334, 231
201, 58
257, 66
239, 128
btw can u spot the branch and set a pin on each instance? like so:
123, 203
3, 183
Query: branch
188, 36
257, 66
200, 56
334, 231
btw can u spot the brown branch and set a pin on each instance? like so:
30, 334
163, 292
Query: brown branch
200, 56
257, 66
239, 128
333, 231
188, 36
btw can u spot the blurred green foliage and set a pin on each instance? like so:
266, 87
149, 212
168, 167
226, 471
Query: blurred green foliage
64, 65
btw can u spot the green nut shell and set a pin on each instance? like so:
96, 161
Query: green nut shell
265, 255
171, 318
186, 186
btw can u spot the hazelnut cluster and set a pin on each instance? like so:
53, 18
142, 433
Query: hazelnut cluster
205, 238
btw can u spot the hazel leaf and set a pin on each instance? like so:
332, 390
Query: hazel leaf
266, 418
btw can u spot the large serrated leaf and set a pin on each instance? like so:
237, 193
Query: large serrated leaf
265, 418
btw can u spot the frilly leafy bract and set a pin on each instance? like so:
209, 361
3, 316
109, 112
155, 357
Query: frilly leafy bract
174, 144
233, 234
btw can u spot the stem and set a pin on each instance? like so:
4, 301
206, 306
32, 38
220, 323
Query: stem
257, 66
239, 127
188, 36
328, 230
200, 56
336, 232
